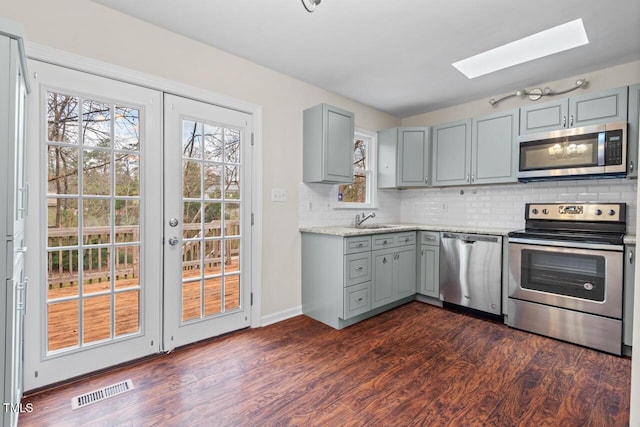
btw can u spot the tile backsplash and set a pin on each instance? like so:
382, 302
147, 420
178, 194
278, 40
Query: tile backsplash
499, 206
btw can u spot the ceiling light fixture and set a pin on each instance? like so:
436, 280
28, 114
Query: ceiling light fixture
310, 5
535, 94
557, 39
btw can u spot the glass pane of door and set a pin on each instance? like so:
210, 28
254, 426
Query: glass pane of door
211, 199
93, 234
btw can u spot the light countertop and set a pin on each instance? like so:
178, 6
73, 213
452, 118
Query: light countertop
347, 231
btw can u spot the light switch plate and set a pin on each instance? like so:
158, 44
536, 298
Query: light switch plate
278, 195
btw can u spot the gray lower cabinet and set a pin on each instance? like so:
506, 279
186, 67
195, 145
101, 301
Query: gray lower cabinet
482, 150
582, 110
633, 136
328, 137
394, 268
404, 157
629, 284
429, 264
338, 275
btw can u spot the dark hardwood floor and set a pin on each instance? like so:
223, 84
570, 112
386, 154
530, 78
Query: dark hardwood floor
415, 365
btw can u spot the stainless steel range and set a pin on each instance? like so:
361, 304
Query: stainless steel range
566, 273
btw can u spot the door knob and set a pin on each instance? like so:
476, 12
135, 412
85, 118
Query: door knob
173, 222
173, 241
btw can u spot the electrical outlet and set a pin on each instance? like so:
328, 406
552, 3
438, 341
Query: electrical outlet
278, 195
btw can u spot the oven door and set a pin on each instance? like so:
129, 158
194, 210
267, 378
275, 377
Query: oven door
582, 279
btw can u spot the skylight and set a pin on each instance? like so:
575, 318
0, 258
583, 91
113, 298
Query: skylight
547, 42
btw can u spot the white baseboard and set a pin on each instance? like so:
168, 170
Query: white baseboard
280, 316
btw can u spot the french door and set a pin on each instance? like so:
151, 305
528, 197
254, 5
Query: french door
116, 277
93, 157
207, 220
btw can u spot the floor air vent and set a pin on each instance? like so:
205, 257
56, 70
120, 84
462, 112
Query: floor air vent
101, 394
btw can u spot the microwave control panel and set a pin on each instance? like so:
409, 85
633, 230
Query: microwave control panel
613, 148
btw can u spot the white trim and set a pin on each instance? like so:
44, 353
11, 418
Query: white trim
372, 163
281, 315
100, 68
116, 72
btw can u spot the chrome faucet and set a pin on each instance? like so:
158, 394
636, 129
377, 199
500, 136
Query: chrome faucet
363, 218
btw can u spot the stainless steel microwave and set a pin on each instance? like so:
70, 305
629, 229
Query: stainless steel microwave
598, 151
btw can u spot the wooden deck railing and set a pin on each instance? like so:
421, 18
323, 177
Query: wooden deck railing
63, 264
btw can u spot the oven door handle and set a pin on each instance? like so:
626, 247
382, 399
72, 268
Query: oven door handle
567, 244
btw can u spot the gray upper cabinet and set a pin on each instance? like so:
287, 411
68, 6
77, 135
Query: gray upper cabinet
634, 131
452, 153
583, 110
478, 151
494, 150
328, 145
404, 157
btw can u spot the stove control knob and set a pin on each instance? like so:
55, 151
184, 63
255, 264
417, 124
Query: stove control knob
611, 212
598, 212
534, 211
545, 211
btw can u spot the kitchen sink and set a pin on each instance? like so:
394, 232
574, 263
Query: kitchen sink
375, 226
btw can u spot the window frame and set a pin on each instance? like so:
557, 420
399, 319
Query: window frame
372, 182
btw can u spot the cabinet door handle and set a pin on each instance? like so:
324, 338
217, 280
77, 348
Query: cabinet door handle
360, 245
358, 268
631, 166
360, 299
422, 252
406, 239
384, 243
21, 289
571, 121
467, 178
630, 257
426, 180
564, 121
384, 260
24, 210
473, 178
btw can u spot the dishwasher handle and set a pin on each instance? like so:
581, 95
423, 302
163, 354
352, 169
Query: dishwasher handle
471, 238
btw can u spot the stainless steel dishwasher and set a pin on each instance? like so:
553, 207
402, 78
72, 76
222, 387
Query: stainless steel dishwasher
471, 271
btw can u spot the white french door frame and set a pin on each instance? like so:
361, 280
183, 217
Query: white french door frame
45, 365
114, 72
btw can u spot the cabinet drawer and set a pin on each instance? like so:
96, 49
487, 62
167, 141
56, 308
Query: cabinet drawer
405, 239
354, 245
358, 268
430, 238
357, 299
383, 241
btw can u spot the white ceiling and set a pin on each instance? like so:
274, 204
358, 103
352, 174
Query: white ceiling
396, 55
